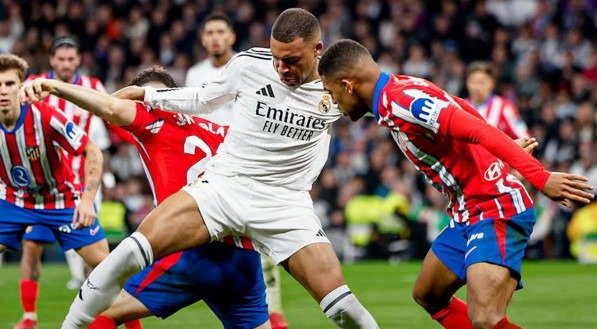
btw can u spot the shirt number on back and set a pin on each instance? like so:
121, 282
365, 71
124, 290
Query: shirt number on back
190, 144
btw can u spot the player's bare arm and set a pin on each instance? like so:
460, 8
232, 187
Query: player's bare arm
84, 215
117, 111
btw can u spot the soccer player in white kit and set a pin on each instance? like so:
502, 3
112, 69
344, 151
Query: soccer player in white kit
218, 37
258, 183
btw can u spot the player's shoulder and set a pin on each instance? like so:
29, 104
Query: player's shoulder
255, 54
90, 81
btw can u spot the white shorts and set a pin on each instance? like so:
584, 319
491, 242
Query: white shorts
280, 221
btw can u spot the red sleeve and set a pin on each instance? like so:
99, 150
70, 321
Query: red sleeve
144, 117
470, 129
122, 134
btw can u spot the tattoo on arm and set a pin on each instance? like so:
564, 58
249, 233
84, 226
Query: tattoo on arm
93, 170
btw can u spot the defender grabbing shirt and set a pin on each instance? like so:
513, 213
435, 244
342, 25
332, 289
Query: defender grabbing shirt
279, 137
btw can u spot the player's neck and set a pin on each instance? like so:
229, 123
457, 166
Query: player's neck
221, 60
478, 101
67, 80
10, 117
366, 88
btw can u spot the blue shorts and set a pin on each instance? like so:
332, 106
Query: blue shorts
227, 278
39, 233
14, 221
496, 241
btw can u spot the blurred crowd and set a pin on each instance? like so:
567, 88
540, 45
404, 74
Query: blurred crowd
369, 198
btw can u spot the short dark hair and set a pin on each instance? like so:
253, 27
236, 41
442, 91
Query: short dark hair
153, 73
480, 66
217, 16
341, 56
66, 41
295, 23
13, 62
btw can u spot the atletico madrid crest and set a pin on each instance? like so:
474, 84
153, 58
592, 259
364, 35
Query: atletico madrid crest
33, 153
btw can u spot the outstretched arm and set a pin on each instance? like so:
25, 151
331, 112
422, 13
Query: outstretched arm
560, 187
117, 111
189, 100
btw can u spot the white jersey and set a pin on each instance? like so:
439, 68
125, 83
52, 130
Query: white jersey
202, 73
280, 135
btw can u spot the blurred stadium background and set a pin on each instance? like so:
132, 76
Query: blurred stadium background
545, 56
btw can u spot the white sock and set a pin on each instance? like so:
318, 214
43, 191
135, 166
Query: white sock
342, 307
105, 281
30, 315
76, 264
271, 276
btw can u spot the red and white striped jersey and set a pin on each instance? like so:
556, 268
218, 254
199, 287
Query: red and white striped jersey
174, 149
33, 173
85, 120
500, 112
457, 151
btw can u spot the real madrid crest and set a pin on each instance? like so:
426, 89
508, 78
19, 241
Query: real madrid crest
325, 104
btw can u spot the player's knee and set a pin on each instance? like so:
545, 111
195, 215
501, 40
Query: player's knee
2, 248
483, 318
431, 303
94, 254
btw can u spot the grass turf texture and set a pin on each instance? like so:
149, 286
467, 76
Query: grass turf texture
556, 295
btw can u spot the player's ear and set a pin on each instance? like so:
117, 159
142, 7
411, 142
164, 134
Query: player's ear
348, 85
318, 48
232, 39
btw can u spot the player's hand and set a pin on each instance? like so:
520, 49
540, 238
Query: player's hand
527, 144
35, 90
135, 93
567, 188
84, 215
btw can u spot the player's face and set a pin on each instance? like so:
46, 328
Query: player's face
65, 62
479, 85
296, 61
217, 38
342, 94
9, 89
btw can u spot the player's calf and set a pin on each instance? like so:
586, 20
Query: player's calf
105, 282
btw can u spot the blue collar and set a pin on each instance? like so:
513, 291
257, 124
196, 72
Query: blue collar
20, 120
76, 80
381, 82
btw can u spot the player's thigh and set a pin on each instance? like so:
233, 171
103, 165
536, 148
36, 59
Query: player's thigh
489, 290
94, 253
126, 308
317, 268
495, 252
176, 224
14, 221
435, 284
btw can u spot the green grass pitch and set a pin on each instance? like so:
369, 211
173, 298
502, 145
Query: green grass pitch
557, 295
